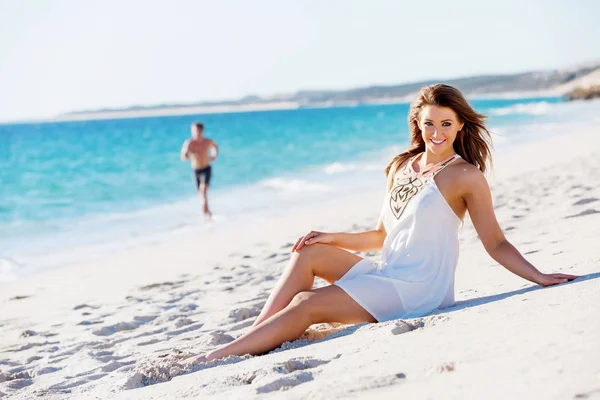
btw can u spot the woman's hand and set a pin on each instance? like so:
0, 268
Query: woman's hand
311, 238
554, 279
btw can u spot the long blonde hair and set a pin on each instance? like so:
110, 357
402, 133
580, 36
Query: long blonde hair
473, 142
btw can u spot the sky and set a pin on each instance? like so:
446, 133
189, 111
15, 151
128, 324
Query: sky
60, 56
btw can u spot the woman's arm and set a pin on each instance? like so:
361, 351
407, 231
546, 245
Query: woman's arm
478, 199
363, 241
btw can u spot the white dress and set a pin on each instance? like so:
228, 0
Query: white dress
419, 255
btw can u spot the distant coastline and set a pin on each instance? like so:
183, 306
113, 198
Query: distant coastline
528, 84
266, 106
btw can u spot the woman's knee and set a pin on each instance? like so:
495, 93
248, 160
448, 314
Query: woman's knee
312, 248
301, 298
305, 303
308, 256
313, 252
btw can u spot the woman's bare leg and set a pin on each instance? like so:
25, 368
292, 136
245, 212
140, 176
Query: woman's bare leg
327, 304
325, 261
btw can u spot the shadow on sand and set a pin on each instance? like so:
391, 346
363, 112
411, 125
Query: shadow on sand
461, 305
464, 304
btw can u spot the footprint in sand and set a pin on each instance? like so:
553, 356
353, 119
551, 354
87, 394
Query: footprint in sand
69, 385
446, 367
585, 201
34, 358
31, 345
86, 323
137, 299
583, 213
20, 297
15, 374
188, 307
81, 306
295, 371
113, 366
244, 272
45, 370
286, 382
124, 326
163, 285
103, 345
18, 383
593, 394
188, 328
248, 378
149, 342
299, 365
183, 322
369, 383
103, 356
57, 360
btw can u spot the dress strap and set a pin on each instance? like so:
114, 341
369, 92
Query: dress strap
439, 167
432, 170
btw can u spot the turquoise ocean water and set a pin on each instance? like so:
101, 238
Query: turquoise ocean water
73, 190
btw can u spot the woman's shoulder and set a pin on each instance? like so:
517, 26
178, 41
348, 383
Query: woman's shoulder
465, 167
401, 164
466, 175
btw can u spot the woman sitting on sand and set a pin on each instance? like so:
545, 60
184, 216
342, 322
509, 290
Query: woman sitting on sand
431, 186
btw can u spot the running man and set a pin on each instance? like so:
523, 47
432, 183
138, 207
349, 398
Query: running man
201, 152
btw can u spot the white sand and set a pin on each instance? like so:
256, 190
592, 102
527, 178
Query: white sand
99, 329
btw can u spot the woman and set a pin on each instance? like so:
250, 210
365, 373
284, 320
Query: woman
431, 186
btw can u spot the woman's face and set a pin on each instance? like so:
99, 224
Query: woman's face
439, 127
